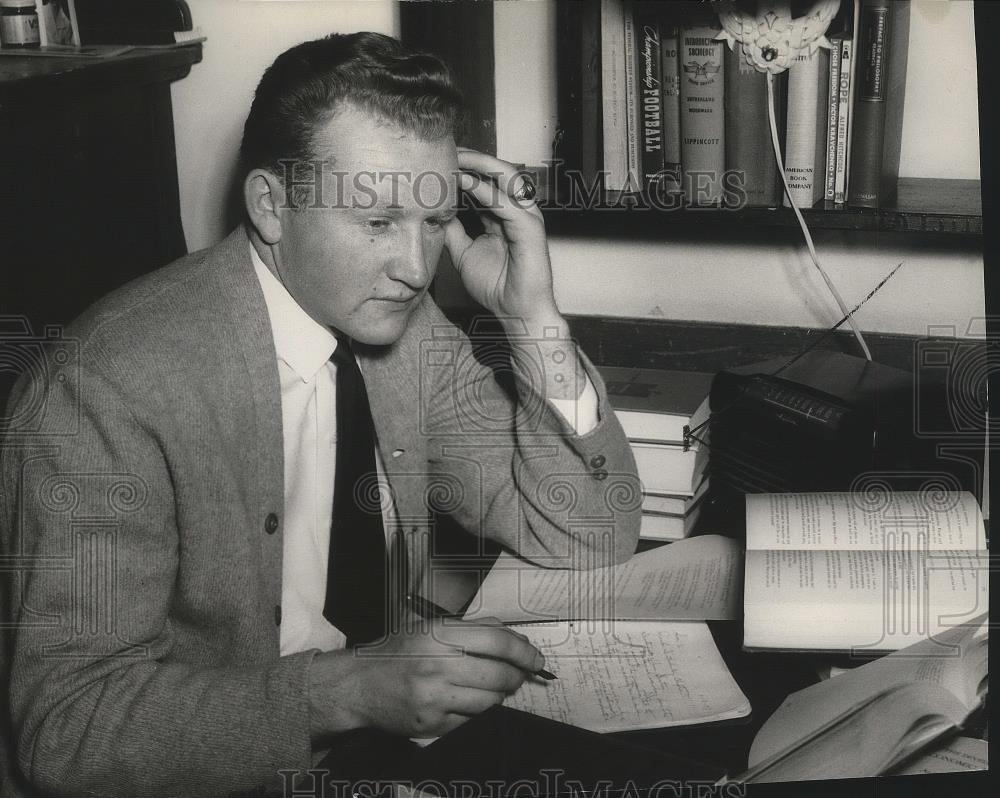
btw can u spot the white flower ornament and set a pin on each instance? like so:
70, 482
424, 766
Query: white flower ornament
773, 38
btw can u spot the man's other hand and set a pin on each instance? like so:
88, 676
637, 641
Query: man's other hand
420, 682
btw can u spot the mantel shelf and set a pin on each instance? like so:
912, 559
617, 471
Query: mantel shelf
25, 76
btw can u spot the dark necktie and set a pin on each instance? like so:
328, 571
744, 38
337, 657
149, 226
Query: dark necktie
356, 575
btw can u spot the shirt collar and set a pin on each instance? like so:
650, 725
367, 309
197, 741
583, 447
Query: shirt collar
299, 340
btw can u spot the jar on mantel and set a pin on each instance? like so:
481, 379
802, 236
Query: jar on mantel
19, 24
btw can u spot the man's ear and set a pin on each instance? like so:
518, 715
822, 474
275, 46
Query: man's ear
264, 198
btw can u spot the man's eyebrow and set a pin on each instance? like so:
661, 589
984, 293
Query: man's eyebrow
379, 205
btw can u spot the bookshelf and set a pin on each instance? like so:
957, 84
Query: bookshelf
924, 207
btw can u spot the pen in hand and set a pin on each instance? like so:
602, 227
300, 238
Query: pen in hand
430, 611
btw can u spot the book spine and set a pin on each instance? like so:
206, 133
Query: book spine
703, 148
590, 93
833, 109
893, 127
613, 113
855, 18
671, 92
883, 29
749, 153
805, 136
648, 69
843, 119
633, 114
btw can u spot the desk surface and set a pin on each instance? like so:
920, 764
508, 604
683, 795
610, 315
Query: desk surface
512, 747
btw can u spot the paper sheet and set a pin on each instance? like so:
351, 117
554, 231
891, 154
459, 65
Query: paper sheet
694, 579
621, 675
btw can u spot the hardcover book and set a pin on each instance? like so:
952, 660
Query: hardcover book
633, 115
882, 43
843, 119
805, 134
648, 75
703, 124
671, 91
614, 114
832, 120
873, 719
749, 151
590, 94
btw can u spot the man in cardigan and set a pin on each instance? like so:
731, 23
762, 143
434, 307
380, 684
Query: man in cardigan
172, 505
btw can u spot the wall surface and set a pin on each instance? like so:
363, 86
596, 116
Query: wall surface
211, 104
777, 284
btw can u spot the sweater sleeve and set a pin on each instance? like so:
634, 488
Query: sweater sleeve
101, 700
516, 471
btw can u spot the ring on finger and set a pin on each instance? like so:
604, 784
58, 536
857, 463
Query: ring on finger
526, 191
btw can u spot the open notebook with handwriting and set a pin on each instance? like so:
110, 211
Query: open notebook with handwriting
616, 673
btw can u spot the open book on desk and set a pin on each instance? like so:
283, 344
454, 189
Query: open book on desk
611, 636
874, 718
951, 755
849, 572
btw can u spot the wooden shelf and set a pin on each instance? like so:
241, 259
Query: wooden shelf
26, 75
923, 205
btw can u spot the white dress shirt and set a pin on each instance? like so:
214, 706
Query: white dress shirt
309, 430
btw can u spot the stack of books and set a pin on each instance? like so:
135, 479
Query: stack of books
665, 417
684, 118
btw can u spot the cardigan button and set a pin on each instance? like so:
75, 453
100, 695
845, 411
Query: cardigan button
597, 461
277, 615
600, 474
271, 523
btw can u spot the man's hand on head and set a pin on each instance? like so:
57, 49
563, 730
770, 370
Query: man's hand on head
507, 268
421, 682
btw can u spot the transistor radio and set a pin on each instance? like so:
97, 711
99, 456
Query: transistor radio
827, 421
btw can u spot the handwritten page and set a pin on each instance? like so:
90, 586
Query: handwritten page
622, 675
694, 579
840, 521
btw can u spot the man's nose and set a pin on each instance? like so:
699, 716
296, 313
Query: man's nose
411, 264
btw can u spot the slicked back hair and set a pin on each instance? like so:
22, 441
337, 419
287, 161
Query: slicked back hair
306, 85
